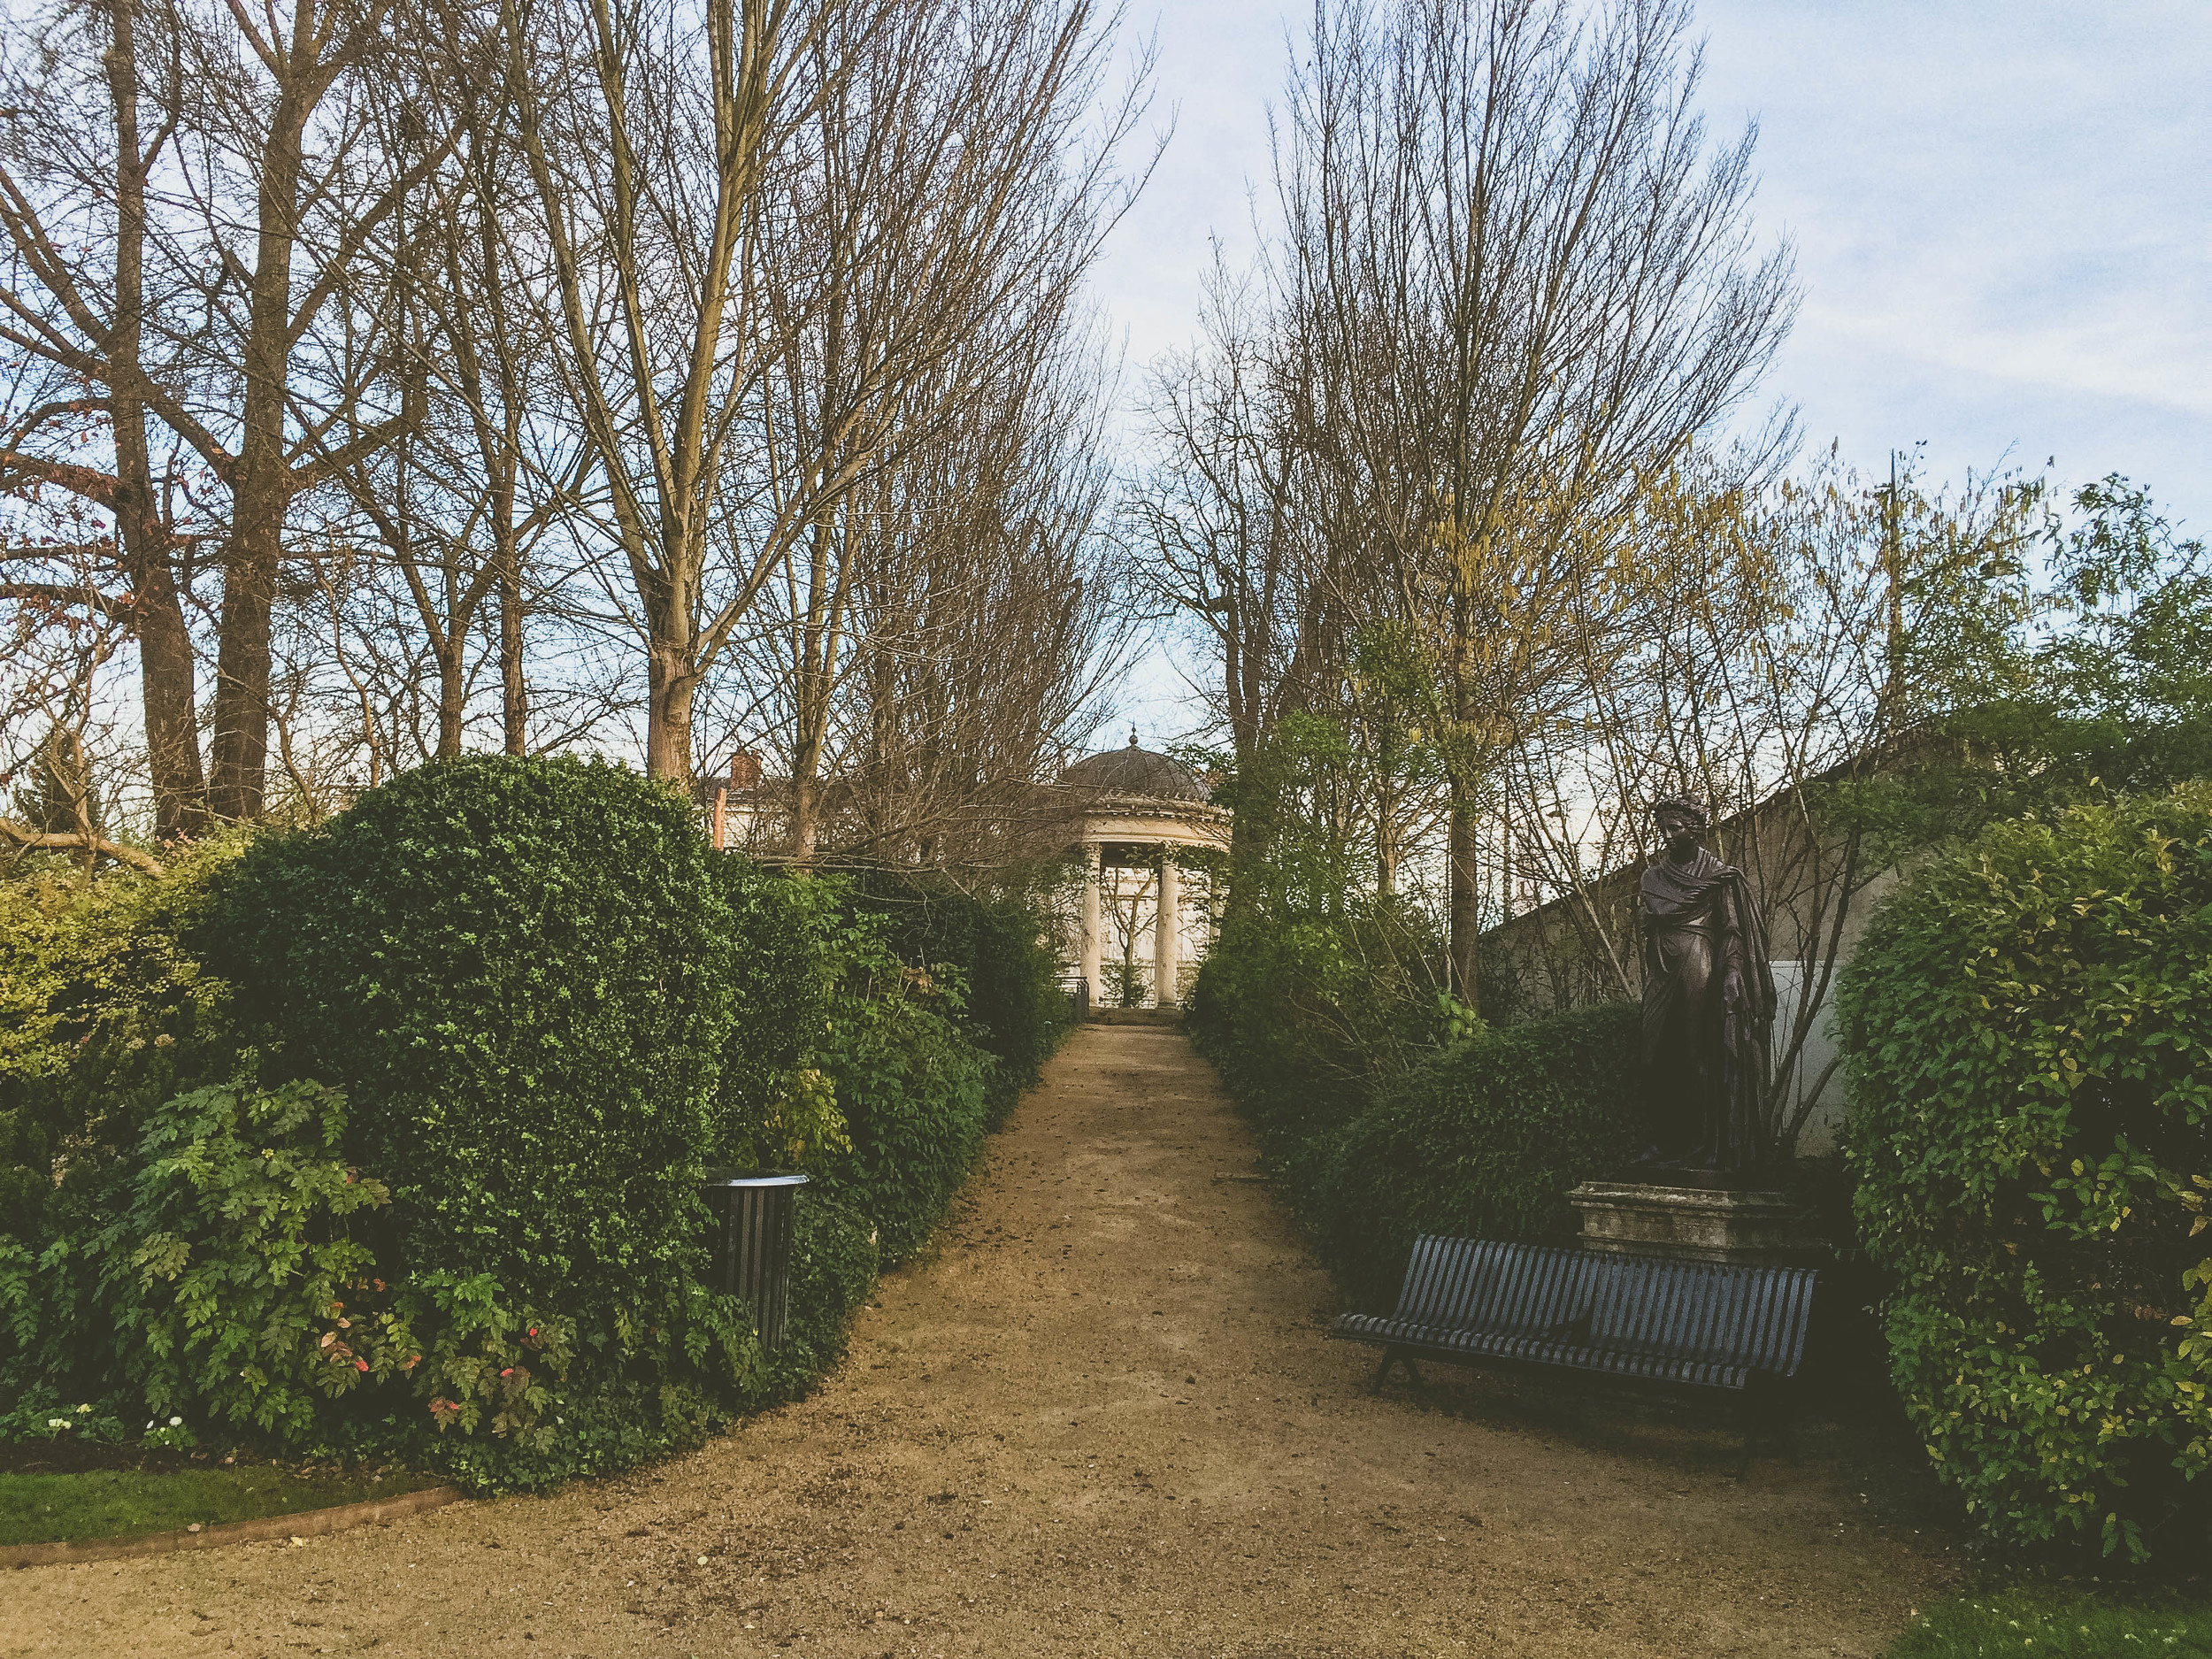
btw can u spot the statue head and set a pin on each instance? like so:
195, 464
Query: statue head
1680, 818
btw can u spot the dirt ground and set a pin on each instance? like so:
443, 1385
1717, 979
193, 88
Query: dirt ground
1101, 1418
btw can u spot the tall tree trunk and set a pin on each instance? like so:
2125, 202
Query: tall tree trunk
1463, 895
813, 682
452, 694
507, 548
671, 685
261, 495
806, 830
1465, 909
238, 750
166, 666
810, 736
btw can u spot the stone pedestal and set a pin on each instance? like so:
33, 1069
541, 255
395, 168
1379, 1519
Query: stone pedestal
1711, 1224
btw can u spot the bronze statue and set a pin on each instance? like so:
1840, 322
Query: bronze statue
1709, 1004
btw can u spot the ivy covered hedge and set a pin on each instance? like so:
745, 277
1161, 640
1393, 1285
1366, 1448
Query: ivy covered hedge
2030, 1026
386, 1136
992, 954
1387, 1112
519, 973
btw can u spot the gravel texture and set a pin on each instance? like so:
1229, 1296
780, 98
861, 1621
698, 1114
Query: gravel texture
1101, 1419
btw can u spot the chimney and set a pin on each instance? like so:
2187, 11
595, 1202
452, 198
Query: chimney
744, 770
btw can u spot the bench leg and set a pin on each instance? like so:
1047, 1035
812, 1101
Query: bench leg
1786, 1418
1395, 1356
1747, 1414
1764, 1409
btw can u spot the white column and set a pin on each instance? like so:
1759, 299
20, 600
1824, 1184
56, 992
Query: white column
1087, 948
1167, 929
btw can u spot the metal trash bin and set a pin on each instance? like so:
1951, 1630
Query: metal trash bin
749, 1236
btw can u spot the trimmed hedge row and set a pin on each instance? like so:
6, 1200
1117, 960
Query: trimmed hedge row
520, 974
1381, 1119
2030, 1025
387, 1135
1485, 1140
991, 954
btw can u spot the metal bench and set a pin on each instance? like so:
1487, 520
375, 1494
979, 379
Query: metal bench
1705, 1325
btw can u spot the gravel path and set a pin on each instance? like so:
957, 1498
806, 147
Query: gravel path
1101, 1419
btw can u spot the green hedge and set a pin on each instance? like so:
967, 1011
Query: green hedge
1385, 1113
1305, 1019
384, 1136
835, 1257
782, 974
105, 1012
519, 973
2029, 1022
1484, 1140
914, 1092
992, 952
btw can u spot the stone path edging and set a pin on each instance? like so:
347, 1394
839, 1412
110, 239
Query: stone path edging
302, 1523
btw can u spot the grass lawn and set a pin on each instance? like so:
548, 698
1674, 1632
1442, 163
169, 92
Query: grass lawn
2036, 1623
41, 1508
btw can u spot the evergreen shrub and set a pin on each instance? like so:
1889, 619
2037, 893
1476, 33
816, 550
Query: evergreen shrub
522, 975
105, 1012
2029, 1023
1484, 1140
992, 952
782, 980
221, 1279
384, 1137
913, 1091
519, 973
1305, 1019
835, 1257
1387, 1111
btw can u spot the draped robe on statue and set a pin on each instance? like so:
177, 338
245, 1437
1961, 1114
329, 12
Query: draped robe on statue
1705, 1061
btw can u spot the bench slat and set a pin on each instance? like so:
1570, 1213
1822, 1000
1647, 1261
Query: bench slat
1711, 1323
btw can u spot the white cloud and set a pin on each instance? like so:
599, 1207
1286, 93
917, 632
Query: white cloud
2003, 210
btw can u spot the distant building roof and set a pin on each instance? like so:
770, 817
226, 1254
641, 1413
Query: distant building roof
1137, 771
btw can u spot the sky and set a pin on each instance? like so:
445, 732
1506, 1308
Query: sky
2002, 213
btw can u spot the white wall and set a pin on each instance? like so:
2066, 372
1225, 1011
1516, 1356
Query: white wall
1826, 1123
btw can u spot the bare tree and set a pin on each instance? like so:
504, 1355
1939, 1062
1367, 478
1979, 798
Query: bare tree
651, 145
1232, 527
982, 622
269, 190
84, 147
933, 249
1799, 661
771, 233
457, 503
1523, 283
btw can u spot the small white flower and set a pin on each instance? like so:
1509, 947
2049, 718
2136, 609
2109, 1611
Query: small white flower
149, 1422
82, 1410
56, 1423
176, 1423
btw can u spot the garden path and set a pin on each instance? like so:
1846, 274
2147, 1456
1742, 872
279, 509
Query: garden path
1101, 1419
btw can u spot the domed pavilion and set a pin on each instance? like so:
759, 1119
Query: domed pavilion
1132, 811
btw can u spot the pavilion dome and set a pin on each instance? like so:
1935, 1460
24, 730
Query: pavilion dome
1135, 772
